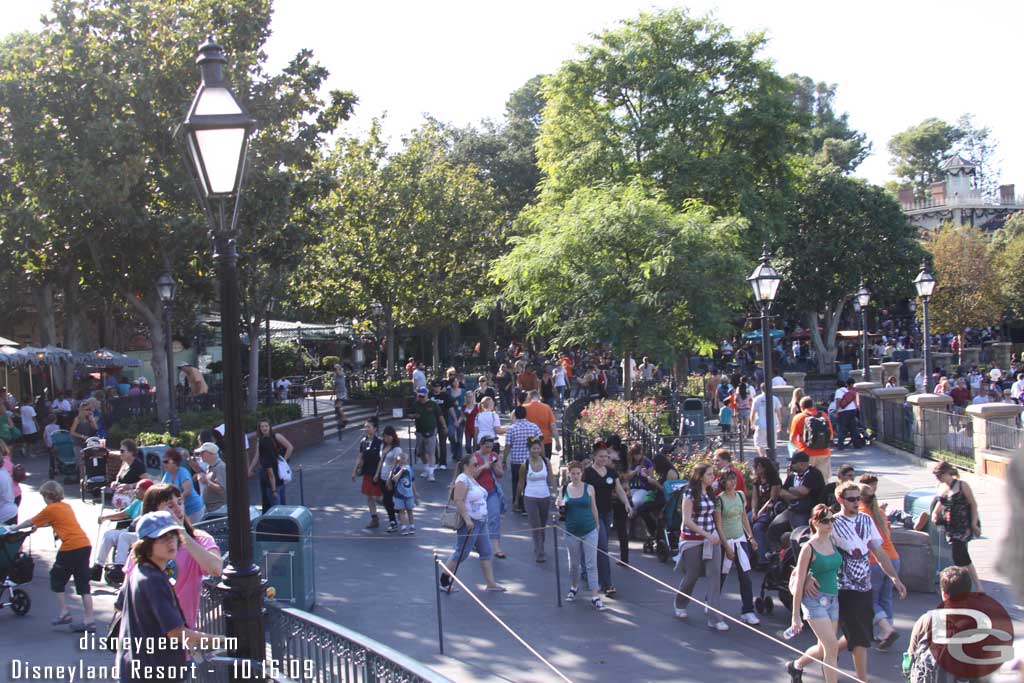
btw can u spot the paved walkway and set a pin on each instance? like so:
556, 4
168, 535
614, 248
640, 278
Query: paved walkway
383, 586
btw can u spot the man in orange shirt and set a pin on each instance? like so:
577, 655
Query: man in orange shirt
540, 414
528, 380
819, 451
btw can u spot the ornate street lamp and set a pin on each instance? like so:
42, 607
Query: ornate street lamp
925, 284
860, 304
166, 288
215, 137
764, 281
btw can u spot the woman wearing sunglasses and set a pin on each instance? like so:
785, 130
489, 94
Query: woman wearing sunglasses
820, 559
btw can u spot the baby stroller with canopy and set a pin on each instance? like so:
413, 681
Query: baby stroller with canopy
94, 469
16, 568
668, 543
63, 462
781, 565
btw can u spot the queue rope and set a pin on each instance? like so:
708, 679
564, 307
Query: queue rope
498, 619
391, 537
706, 606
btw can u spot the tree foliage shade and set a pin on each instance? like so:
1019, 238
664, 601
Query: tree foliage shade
967, 289
918, 151
617, 263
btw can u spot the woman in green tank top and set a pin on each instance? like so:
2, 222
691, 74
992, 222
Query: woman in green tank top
820, 560
581, 522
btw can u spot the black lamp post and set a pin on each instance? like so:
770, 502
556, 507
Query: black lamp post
270, 377
925, 284
377, 311
860, 305
166, 288
765, 283
215, 136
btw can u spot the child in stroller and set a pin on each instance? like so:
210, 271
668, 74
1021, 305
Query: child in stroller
781, 563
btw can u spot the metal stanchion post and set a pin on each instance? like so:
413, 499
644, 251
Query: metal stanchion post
558, 564
302, 488
437, 595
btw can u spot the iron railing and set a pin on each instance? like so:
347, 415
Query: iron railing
869, 411
1004, 437
304, 647
897, 425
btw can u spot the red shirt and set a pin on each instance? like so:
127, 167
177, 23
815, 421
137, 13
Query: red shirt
471, 419
486, 477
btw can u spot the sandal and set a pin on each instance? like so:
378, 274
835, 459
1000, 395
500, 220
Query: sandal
501, 556
62, 620
610, 592
886, 643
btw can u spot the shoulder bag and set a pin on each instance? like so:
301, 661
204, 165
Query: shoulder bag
450, 517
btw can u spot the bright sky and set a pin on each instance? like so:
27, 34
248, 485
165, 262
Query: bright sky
895, 62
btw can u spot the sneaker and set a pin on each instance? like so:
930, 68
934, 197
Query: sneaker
423, 474
431, 477
408, 531
598, 604
750, 618
795, 675
719, 626
681, 612
442, 467
393, 527
84, 628
571, 595
374, 522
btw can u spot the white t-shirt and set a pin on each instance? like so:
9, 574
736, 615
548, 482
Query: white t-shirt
647, 369
62, 405
419, 379
220, 430
632, 366
559, 377
7, 507
758, 408
388, 462
778, 381
486, 424
476, 497
840, 393
28, 420
1017, 389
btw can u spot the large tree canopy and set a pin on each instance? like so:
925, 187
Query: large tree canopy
617, 263
837, 231
967, 288
676, 100
918, 151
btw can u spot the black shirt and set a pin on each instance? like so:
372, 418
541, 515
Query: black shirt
604, 487
369, 449
134, 472
813, 480
764, 488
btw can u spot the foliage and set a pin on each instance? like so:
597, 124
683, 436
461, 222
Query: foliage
1007, 262
828, 136
287, 359
918, 151
838, 230
193, 423
967, 288
617, 263
389, 389
329, 362
601, 419
673, 99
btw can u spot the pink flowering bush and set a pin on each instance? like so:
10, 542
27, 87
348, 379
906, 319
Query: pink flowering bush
601, 419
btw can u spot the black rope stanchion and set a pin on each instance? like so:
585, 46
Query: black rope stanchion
558, 563
437, 595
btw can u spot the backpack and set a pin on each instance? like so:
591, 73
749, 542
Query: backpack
817, 435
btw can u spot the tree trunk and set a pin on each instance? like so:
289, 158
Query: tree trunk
389, 326
627, 376
435, 350
42, 297
483, 326
825, 349
74, 331
158, 358
253, 383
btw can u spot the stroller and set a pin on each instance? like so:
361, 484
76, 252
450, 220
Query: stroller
16, 568
776, 578
94, 472
668, 544
62, 458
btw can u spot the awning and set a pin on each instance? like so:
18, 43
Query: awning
105, 358
756, 334
4, 341
9, 357
47, 355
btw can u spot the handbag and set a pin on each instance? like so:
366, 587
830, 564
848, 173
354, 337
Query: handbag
450, 517
284, 470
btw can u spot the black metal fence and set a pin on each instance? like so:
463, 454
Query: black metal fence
869, 411
897, 425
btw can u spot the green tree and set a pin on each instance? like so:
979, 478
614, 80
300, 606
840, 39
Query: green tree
99, 92
918, 152
967, 289
618, 263
676, 100
838, 230
1007, 260
828, 136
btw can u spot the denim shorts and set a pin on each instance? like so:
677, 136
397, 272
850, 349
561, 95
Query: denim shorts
822, 607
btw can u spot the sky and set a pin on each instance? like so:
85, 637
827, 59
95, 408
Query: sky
895, 63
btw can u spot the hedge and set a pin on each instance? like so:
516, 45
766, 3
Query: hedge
142, 428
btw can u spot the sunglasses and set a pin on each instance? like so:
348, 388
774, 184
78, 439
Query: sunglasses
168, 462
827, 520
852, 500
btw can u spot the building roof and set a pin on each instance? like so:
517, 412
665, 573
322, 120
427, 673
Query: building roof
957, 164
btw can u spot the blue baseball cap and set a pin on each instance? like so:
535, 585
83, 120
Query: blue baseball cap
422, 391
156, 524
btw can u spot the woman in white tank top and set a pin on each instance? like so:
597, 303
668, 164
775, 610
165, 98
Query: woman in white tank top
535, 485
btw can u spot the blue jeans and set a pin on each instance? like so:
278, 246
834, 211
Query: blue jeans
604, 565
495, 504
760, 528
455, 438
844, 426
560, 396
881, 591
269, 499
466, 540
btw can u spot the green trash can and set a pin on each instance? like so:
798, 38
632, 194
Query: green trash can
921, 500
283, 547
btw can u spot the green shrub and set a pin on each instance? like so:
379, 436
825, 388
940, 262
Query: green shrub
185, 439
401, 388
147, 431
330, 361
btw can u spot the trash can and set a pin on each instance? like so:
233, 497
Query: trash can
921, 500
692, 421
283, 547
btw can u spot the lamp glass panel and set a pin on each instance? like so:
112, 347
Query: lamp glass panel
216, 102
221, 149
197, 164
925, 284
